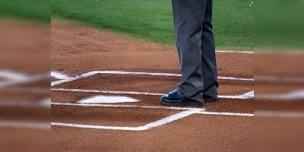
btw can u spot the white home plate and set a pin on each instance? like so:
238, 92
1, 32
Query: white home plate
107, 99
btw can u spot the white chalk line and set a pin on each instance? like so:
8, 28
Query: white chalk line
280, 79
169, 119
43, 103
145, 127
280, 114
161, 74
24, 124
25, 104
239, 52
83, 126
202, 110
297, 95
54, 83
107, 91
148, 126
187, 112
13, 75
17, 78
59, 75
226, 114
92, 73
63, 78
247, 95
122, 106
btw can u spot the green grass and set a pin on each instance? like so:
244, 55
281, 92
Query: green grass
34, 10
152, 19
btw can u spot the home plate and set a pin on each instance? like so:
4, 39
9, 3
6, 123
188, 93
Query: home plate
107, 99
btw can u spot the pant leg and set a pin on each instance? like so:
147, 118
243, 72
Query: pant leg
208, 55
188, 20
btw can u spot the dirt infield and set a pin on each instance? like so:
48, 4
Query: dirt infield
77, 49
24, 46
190, 134
89, 63
145, 70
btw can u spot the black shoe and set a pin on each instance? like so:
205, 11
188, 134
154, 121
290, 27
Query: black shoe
172, 99
210, 93
210, 99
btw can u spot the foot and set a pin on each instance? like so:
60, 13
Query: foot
172, 99
210, 94
210, 99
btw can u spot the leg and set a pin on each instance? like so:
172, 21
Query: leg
208, 56
188, 20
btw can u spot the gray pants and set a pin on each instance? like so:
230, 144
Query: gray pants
196, 49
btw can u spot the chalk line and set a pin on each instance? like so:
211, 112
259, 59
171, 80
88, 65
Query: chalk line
202, 110
43, 103
294, 95
59, 75
239, 52
36, 90
24, 124
247, 95
22, 80
122, 106
165, 75
107, 91
13, 75
280, 79
148, 126
64, 78
100, 127
187, 111
226, 114
85, 75
280, 114
92, 73
170, 119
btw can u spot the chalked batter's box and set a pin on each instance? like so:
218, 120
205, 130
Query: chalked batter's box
115, 117
149, 84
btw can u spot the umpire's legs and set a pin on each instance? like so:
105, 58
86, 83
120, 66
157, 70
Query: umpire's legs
208, 56
188, 20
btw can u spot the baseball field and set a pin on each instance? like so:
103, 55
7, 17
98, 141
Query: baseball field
93, 82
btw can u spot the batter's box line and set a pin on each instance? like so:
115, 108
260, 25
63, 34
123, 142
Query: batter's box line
202, 112
63, 78
15, 78
244, 96
145, 127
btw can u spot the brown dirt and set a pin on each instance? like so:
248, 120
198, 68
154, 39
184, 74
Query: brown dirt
26, 92
25, 113
77, 49
24, 46
146, 84
26, 140
278, 134
279, 64
109, 116
193, 133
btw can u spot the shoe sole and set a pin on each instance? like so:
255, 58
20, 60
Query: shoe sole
210, 100
182, 104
